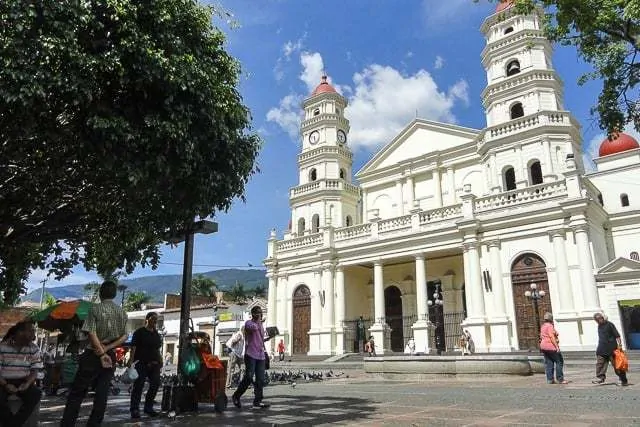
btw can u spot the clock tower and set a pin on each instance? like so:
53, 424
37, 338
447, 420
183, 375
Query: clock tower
325, 194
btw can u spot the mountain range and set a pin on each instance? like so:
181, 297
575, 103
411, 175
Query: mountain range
157, 286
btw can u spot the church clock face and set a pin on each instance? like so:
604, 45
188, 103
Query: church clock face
314, 137
342, 137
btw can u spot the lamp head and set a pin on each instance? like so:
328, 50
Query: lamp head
534, 286
542, 293
527, 294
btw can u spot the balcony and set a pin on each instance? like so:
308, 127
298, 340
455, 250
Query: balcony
521, 197
324, 185
541, 119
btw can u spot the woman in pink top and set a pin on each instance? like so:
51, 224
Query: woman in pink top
550, 348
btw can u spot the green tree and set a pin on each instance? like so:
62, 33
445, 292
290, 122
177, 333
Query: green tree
606, 34
49, 300
237, 294
134, 300
91, 291
260, 291
120, 122
203, 286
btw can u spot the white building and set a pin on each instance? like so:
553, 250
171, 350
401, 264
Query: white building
474, 216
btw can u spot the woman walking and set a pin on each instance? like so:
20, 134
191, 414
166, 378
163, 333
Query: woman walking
550, 348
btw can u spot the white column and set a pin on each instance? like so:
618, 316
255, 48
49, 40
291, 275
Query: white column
365, 214
316, 308
522, 175
341, 302
271, 308
378, 293
421, 289
546, 148
495, 174
589, 289
563, 279
451, 180
399, 198
329, 297
437, 187
411, 191
474, 292
497, 284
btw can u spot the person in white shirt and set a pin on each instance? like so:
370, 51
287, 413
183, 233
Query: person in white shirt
410, 348
236, 354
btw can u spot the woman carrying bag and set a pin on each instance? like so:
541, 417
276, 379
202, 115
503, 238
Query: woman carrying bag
550, 348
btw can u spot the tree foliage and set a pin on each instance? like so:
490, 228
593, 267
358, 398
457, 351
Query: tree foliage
120, 121
260, 292
237, 294
135, 300
203, 286
606, 34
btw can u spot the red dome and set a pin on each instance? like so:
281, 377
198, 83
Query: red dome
323, 87
504, 4
622, 142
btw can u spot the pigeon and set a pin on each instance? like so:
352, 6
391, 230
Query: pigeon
293, 384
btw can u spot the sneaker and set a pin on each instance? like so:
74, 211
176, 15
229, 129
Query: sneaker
622, 384
260, 405
236, 401
597, 381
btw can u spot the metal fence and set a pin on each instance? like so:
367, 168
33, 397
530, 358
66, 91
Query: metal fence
350, 333
452, 328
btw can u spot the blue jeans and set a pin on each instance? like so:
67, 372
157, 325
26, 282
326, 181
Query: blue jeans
252, 367
553, 359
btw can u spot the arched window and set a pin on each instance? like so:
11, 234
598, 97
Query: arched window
624, 200
510, 179
349, 221
316, 112
513, 67
300, 226
313, 175
508, 30
516, 110
342, 173
634, 256
535, 173
315, 223
600, 200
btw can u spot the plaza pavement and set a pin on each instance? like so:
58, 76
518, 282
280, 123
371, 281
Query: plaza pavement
441, 401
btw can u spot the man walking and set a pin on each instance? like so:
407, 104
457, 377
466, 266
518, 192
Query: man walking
106, 327
145, 354
236, 355
254, 360
608, 341
20, 361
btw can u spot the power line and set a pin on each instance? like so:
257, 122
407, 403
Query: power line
249, 265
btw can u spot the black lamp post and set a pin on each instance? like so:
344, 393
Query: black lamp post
535, 295
201, 227
438, 305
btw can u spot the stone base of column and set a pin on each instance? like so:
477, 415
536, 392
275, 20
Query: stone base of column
568, 327
381, 336
589, 328
339, 340
478, 330
500, 331
421, 330
324, 339
315, 344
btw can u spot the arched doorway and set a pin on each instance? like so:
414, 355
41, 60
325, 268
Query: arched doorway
393, 315
527, 269
301, 320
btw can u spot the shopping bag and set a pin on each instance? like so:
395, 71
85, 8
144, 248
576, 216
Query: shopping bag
130, 374
620, 360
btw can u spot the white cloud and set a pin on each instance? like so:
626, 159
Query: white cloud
288, 49
590, 149
439, 63
288, 115
409, 54
382, 100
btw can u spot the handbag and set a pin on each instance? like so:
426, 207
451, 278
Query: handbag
267, 361
620, 360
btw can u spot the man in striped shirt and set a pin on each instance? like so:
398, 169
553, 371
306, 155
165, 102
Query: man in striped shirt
20, 361
106, 326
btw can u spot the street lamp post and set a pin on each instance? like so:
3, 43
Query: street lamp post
438, 305
535, 295
198, 227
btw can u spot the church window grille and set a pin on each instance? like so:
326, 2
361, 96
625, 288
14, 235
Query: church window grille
316, 112
535, 172
513, 67
624, 200
349, 221
315, 223
516, 110
313, 175
634, 256
600, 200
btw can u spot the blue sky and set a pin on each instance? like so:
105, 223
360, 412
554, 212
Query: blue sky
391, 59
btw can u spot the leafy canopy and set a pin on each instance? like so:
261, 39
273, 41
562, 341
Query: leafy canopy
203, 286
135, 300
120, 121
606, 34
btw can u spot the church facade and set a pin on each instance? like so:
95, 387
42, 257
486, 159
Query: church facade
451, 228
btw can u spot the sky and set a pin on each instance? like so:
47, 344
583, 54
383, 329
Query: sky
392, 60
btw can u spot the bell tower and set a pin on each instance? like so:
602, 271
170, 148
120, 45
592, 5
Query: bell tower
325, 194
524, 104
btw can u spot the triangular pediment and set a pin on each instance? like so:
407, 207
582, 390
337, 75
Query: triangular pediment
418, 139
620, 265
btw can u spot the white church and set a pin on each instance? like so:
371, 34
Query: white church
449, 228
